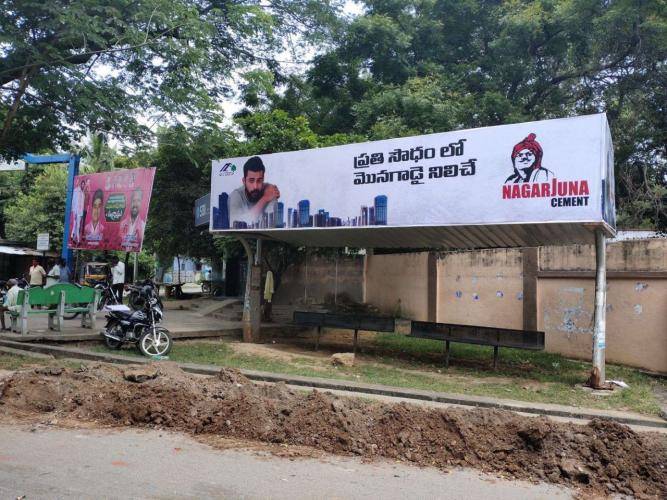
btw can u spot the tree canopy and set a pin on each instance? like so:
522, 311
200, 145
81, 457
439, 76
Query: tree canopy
72, 66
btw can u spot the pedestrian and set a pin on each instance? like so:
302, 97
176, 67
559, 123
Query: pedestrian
117, 278
11, 301
268, 295
64, 271
37, 274
53, 276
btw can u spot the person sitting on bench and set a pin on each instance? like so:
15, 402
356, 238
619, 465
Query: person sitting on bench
11, 301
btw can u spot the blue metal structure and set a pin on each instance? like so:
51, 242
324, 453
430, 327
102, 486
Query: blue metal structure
72, 161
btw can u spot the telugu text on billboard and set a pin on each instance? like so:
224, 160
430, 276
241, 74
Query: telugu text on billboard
109, 210
545, 171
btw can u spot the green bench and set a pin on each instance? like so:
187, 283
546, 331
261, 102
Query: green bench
56, 301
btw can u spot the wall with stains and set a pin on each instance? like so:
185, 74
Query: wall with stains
635, 255
636, 301
399, 277
636, 320
482, 288
316, 280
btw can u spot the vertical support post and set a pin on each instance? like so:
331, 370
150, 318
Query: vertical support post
72, 172
446, 353
317, 339
251, 319
530, 267
336, 283
599, 335
135, 269
354, 347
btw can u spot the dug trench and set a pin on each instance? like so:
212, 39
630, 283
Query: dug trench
601, 457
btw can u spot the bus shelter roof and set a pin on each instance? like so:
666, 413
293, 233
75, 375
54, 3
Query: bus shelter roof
443, 237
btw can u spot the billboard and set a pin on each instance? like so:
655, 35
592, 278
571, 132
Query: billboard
545, 171
109, 210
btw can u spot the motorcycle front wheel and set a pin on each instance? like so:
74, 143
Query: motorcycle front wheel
155, 344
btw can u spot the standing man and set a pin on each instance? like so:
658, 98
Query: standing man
77, 211
53, 275
255, 198
37, 274
132, 229
117, 278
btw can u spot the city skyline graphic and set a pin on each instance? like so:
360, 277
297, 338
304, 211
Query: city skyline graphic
301, 216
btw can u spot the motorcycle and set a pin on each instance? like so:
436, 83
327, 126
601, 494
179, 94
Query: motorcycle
135, 297
107, 297
139, 327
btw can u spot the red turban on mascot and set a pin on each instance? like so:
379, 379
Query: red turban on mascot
532, 145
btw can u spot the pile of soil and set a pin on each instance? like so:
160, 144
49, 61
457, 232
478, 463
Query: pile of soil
601, 457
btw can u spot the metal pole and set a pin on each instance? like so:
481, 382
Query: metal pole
72, 172
599, 336
135, 271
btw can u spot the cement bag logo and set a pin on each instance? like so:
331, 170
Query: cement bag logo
532, 180
227, 169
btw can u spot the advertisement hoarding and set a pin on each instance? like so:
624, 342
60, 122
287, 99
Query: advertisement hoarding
546, 171
109, 210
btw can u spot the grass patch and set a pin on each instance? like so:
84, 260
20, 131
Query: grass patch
16, 362
521, 375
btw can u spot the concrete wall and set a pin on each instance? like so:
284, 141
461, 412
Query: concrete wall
315, 278
636, 319
482, 288
404, 277
551, 289
636, 301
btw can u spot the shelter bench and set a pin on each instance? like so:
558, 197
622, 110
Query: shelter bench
58, 300
354, 322
479, 335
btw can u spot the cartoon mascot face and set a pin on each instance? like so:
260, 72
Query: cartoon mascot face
527, 161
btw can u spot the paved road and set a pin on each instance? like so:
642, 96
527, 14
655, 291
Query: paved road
53, 463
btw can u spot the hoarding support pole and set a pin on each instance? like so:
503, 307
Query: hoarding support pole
251, 319
72, 172
598, 379
135, 269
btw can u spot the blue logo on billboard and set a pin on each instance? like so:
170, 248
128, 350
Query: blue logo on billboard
227, 169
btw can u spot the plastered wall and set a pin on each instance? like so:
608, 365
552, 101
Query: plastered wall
486, 288
316, 278
404, 277
636, 319
482, 288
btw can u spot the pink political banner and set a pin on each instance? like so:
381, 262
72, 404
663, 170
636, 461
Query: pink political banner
109, 210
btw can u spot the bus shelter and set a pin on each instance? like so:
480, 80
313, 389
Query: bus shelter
520, 185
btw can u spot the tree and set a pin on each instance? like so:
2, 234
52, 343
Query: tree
418, 66
98, 155
183, 173
40, 210
68, 66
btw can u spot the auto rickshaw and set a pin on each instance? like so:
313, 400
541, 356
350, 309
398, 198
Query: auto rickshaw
95, 271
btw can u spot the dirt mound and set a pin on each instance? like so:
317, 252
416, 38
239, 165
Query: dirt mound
602, 457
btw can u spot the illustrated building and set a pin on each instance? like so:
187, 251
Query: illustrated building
380, 210
304, 213
221, 213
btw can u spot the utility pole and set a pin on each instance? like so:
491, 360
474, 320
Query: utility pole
599, 335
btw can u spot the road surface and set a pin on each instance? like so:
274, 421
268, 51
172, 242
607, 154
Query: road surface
51, 463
